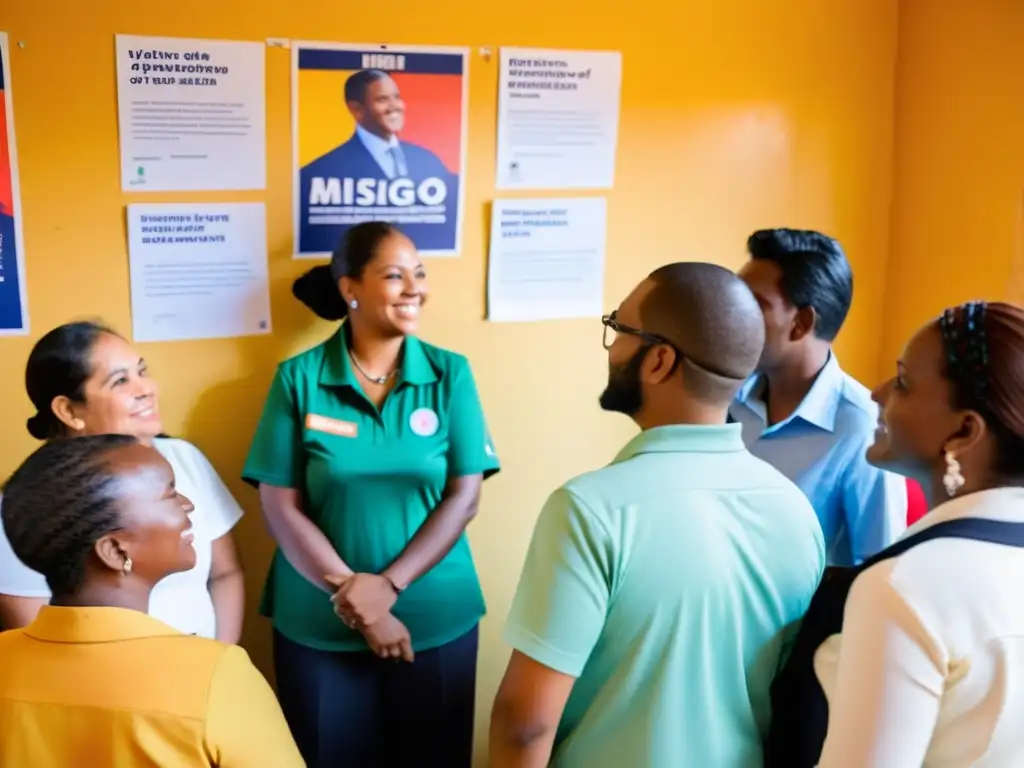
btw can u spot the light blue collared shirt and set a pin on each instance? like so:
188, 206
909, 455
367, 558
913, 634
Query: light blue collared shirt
386, 153
821, 447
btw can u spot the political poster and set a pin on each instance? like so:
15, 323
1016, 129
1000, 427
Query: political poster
379, 134
13, 307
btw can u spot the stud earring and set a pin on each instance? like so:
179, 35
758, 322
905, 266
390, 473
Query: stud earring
127, 567
953, 480
79, 425
354, 304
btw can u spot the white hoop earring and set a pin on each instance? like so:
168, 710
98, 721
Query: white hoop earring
354, 304
953, 480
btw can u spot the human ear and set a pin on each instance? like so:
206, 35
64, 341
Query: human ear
659, 364
346, 287
803, 323
64, 410
357, 110
971, 432
113, 551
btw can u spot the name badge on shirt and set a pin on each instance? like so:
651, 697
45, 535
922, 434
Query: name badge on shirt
331, 426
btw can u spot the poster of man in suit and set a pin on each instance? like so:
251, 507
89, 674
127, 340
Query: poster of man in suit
379, 136
13, 311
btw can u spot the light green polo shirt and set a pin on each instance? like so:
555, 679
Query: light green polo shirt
370, 479
667, 583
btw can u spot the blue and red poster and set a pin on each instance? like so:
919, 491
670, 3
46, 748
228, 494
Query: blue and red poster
13, 313
379, 135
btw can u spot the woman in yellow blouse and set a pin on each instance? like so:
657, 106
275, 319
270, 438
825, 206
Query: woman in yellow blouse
94, 679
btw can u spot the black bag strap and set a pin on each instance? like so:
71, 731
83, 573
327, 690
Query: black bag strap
977, 528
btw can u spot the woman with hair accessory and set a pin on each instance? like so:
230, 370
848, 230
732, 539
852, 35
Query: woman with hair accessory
925, 671
369, 459
94, 680
85, 379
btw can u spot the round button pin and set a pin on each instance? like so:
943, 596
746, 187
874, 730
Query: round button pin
423, 422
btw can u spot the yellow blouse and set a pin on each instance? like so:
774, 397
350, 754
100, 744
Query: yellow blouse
116, 687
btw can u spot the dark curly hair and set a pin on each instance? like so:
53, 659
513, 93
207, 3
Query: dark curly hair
59, 503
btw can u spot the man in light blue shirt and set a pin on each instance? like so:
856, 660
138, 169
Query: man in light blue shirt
801, 413
659, 593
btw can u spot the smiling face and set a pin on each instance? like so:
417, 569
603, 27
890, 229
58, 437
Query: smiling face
156, 531
917, 423
391, 290
383, 110
118, 397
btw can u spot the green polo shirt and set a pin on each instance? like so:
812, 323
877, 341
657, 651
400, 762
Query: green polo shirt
370, 478
668, 584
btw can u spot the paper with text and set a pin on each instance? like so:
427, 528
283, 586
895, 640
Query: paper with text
198, 270
558, 118
547, 259
191, 114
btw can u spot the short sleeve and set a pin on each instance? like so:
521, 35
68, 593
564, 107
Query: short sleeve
16, 578
471, 450
560, 606
275, 455
223, 512
245, 727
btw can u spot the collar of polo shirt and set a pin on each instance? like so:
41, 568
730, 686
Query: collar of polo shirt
685, 438
337, 370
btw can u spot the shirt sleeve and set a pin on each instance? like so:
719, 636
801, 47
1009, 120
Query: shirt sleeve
875, 506
16, 578
471, 450
276, 453
224, 513
559, 608
889, 682
245, 727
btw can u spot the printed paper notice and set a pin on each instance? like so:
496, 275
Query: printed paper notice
191, 114
13, 307
547, 259
558, 118
198, 271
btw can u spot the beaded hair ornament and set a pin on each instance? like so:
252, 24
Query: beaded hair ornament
963, 336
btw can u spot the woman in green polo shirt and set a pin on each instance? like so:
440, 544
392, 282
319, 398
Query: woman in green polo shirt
369, 459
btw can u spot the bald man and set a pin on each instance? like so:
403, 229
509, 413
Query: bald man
658, 592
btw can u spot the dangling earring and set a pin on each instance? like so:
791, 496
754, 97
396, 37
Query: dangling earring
953, 479
354, 304
127, 567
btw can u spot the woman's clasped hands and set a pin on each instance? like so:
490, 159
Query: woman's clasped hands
364, 601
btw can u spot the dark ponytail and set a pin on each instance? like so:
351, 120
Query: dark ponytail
318, 288
58, 366
318, 291
39, 426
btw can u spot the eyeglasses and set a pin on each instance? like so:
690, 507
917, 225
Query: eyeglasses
613, 327
611, 324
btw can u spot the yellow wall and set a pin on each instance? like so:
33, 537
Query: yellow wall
958, 213
736, 115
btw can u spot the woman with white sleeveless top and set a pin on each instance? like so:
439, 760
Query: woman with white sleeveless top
85, 379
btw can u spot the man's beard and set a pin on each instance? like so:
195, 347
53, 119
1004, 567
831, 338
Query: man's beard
623, 393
